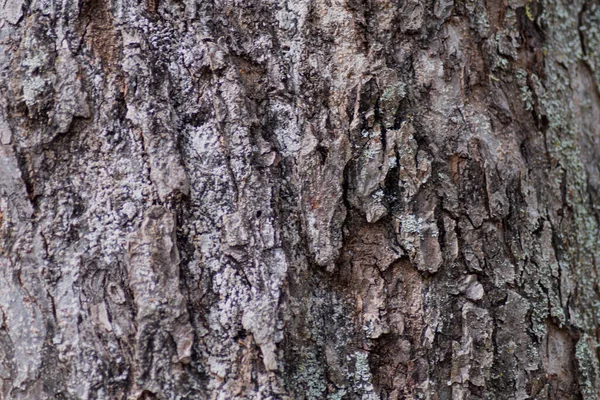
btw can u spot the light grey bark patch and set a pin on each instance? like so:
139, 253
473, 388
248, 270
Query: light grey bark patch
589, 371
450, 246
371, 169
414, 11
472, 357
13, 190
393, 90
156, 120
36, 58
235, 236
443, 8
513, 343
100, 316
254, 320
471, 287
430, 257
5, 130
12, 10
24, 323
166, 170
286, 128
153, 269
322, 201
418, 235
71, 100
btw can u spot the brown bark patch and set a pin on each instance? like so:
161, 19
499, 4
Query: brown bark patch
99, 32
559, 362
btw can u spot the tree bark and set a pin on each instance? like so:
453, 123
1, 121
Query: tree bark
299, 199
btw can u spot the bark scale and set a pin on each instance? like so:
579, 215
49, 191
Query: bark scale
302, 199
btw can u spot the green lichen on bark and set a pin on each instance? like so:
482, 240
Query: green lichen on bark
565, 134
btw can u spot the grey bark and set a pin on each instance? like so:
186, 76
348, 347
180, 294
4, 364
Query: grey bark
299, 199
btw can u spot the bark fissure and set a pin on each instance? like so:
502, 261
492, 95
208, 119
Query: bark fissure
302, 199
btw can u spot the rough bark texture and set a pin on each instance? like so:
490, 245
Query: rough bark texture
301, 199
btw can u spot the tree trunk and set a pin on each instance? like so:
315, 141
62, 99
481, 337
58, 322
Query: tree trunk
300, 199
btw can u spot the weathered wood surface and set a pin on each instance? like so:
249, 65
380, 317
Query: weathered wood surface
299, 199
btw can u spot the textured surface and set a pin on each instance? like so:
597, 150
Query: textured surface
301, 199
